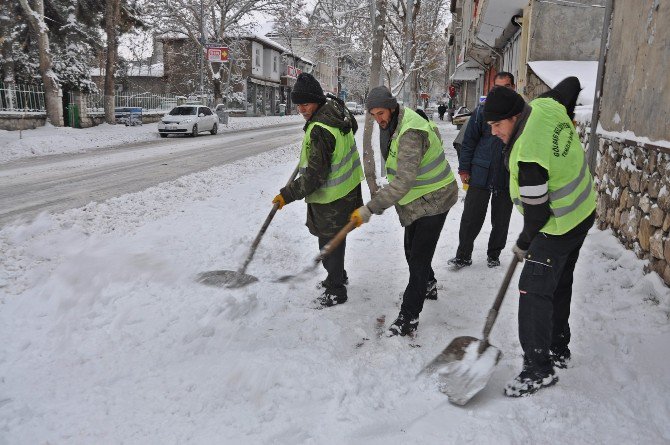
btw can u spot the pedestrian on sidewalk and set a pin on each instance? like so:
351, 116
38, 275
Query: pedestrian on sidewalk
441, 109
330, 177
552, 187
480, 166
423, 189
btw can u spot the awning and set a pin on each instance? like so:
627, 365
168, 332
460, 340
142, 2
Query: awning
468, 70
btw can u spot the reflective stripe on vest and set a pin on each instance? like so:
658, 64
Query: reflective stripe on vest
434, 170
345, 169
550, 140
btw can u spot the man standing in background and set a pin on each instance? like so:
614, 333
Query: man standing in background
481, 168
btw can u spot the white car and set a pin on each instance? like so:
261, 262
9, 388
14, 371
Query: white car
188, 119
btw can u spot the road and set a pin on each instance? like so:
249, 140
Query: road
60, 182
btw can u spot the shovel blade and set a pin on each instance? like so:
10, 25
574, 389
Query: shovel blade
231, 279
462, 370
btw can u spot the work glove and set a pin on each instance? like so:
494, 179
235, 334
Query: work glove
519, 253
360, 216
279, 200
465, 179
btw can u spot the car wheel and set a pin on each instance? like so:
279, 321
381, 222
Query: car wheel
163, 135
195, 131
215, 128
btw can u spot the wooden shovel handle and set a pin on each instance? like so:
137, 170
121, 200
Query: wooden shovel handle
493, 313
265, 226
336, 241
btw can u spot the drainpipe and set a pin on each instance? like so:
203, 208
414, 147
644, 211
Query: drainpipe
592, 151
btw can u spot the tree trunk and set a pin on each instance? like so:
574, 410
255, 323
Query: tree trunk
378, 24
112, 16
51, 88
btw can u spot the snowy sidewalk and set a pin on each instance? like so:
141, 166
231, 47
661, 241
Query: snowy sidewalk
108, 339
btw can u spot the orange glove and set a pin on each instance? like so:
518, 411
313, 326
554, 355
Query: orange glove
279, 200
360, 216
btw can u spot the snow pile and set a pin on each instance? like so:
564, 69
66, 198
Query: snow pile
110, 340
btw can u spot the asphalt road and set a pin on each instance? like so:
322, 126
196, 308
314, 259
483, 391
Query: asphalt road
60, 182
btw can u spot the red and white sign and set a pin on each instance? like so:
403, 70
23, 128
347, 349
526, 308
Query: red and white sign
292, 71
217, 54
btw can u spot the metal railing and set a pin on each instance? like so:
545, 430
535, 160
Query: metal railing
21, 98
147, 101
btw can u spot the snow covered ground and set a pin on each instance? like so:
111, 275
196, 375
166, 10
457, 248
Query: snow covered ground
54, 140
108, 339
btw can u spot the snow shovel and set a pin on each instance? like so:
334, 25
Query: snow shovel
467, 363
239, 278
327, 250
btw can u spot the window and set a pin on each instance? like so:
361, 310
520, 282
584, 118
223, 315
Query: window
258, 57
274, 64
206, 111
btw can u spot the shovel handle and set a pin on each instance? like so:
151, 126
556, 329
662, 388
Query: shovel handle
265, 226
336, 241
493, 313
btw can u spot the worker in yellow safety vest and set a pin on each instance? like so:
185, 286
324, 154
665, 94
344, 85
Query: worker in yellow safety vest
552, 187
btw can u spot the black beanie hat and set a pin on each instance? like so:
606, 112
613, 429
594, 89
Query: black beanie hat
380, 97
307, 90
502, 103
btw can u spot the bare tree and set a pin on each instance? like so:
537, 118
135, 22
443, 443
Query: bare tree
51, 89
378, 24
210, 20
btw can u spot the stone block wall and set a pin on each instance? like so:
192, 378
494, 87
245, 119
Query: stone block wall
633, 184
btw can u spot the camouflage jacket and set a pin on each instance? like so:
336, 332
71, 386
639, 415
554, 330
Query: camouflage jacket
411, 148
325, 220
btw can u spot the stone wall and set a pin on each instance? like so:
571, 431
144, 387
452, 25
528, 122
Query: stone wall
633, 184
21, 121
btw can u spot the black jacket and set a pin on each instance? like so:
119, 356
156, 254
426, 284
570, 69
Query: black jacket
325, 220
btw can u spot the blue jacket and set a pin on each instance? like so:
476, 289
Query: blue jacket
481, 155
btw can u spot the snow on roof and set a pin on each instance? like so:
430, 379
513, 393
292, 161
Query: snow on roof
266, 41
496, 16
553, 71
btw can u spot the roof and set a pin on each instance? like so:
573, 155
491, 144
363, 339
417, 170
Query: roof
495, 17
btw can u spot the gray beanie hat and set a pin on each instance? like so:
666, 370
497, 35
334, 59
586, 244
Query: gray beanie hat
380, 97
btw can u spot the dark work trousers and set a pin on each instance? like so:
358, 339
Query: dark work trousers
421, 238
472, 220
334, 265
545, 288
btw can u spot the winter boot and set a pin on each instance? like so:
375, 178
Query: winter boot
325, 283
529, 382
331, 298
431, 291
560, 357
457, 263
403, 325
492, 262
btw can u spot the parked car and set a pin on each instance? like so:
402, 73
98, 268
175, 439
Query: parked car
188, 119
461, 116
130, 116
353, 107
